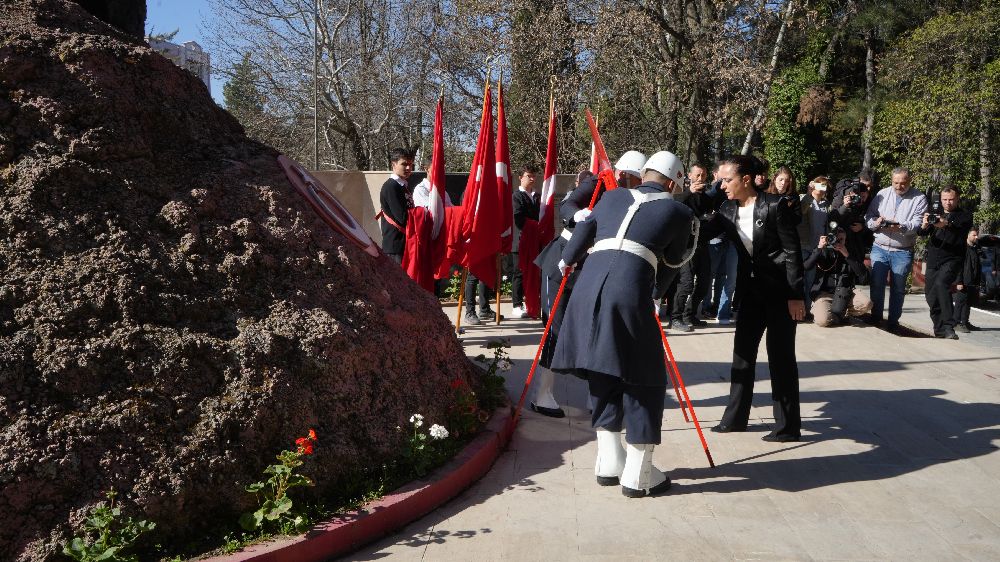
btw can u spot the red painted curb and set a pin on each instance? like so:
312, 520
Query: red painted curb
353, 530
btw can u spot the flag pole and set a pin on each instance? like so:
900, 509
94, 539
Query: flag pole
461, 295
500, 255
680, 382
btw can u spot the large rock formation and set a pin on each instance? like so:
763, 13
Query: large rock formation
172, 312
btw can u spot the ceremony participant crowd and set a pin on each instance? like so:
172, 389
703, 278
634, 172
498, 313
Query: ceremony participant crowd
650, 238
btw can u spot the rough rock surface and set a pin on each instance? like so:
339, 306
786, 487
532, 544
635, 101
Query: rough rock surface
172, 313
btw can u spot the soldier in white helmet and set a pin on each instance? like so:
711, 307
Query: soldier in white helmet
610, 334
572, 210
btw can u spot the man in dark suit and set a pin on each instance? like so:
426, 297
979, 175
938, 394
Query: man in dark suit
769, 286
525, 206
395, 200
610, 334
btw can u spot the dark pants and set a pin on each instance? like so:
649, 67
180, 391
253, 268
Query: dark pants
398, 258
485, 294
758, 315
937, 290
965, 299
618, 405
513, 272
693, 283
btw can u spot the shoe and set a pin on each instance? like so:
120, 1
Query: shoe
488, 315
471, 319
679, 326
962, 329
725, 428
972, 327
550, 412
519, 312
950, 335
872, 320
640, 478
610, 458
894, 329
697, 323
779, 438
725, 321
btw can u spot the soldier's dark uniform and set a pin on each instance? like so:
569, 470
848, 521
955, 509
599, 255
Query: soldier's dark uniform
609, 333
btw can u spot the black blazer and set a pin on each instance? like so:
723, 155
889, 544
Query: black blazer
775, 268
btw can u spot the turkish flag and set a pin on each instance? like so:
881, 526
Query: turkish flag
503, 178
546, 220
479, 241
436, 175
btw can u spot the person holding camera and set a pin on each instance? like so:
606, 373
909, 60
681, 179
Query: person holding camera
837, 272
947, 228
848, 210
894, 215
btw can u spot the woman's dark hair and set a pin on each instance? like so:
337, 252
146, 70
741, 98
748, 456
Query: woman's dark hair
745, 165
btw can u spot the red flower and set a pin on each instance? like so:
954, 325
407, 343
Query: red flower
305, 445
457, 383
312, 434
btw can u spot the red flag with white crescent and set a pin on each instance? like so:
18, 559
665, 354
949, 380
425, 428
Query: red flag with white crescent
546, 224
436, 175
503, 177
479, 242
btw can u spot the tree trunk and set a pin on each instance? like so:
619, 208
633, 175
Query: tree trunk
127, 15
985, 166
762, 108
866, 133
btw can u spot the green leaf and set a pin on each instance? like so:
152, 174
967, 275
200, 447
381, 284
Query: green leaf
281, 506
255, 487
108, 554
251, 521
299, 480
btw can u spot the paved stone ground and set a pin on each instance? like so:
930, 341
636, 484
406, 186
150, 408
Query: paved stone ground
897, 462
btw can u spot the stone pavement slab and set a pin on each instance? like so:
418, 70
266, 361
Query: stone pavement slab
898, 461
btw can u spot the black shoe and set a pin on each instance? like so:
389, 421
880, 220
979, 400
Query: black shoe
779, 438
724, 428
608, 481
471, 319
655, 490
488, 315
872, 320
971, 327
894, 329
550, 412
962, 329
950, 335
679, 326
697, 322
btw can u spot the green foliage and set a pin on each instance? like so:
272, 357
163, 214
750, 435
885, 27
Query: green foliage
106, 535
454, 287
785, 142
241, 95
276, 508
493, 394
423, 450
942, 85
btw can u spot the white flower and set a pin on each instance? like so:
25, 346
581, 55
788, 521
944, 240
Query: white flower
438, 432
504, 277
505, 365
417, 420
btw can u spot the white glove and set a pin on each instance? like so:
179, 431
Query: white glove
581, 215
565, 269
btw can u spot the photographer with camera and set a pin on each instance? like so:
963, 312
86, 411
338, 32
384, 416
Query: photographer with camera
837, 272
894, 215
947, 227
848, 209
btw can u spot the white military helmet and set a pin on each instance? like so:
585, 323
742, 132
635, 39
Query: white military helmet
667, 164
631, 162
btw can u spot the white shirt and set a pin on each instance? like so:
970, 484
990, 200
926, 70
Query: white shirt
399, 180
422, 195
744, 225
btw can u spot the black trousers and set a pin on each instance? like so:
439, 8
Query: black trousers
693, 283
513, 272
937, 290
757, 315
618, 405
485, 294
964, 300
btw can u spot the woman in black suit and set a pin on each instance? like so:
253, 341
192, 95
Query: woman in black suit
769, 282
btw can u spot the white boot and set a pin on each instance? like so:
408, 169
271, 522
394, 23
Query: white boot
544, 402
610, 457
640, 478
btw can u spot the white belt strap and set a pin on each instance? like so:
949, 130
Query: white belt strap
619, 242
627, 246
566, 234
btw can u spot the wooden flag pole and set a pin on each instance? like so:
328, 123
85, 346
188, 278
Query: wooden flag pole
461, 295
499, 286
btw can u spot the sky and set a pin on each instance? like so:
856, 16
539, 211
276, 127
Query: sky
191, 17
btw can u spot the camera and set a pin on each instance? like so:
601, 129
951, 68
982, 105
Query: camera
831, 234
935, 212
852, 199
